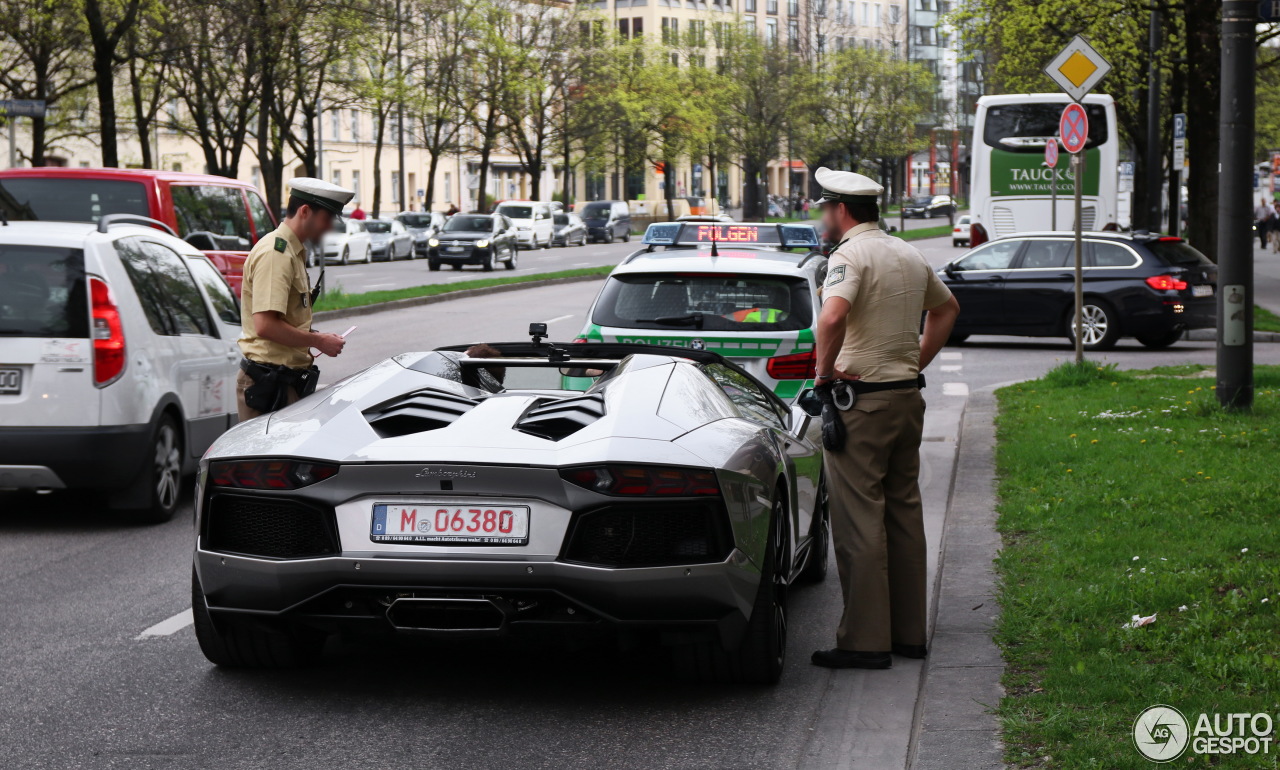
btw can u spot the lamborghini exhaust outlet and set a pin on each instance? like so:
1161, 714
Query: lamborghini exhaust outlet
447, 616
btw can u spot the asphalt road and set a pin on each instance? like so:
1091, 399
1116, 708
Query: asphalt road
99, 667
378, 276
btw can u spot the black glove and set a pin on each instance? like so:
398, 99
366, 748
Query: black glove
833, 430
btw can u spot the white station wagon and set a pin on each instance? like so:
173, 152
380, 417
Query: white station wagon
118, 360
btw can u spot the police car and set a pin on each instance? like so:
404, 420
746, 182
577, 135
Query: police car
747, 291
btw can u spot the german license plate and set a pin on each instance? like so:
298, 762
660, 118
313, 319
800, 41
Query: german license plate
1203, 290
450, 524
10, 381
455, 249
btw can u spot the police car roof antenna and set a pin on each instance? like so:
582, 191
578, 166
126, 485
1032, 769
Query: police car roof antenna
714, 251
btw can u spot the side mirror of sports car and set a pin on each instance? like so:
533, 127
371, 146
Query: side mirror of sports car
810, 403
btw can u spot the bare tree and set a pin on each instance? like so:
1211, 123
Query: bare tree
41, 57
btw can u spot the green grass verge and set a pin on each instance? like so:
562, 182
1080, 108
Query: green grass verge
920, 233
1264, 320
1124, 494
337, 299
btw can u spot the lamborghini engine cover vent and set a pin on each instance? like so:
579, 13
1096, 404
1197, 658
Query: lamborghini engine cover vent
554, 420
416, 412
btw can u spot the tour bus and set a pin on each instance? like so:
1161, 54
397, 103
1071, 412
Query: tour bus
1010, 185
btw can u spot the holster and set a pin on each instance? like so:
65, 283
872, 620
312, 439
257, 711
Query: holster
271, 383
833, 430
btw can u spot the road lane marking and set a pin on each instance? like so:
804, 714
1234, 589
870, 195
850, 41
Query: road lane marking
380, 285
955, 389
169, 626
951, 367
581, 264
948, 355
559, 318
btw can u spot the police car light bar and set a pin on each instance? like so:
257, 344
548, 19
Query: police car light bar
781, 236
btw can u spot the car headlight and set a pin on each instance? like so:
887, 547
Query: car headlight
481, 244
433, 242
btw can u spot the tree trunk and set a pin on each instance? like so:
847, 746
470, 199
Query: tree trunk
432, 166
1203, 77
669, 188
377, 160
751, 195
38, 128
141, 120
103, 73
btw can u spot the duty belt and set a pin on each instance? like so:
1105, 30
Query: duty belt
845, 393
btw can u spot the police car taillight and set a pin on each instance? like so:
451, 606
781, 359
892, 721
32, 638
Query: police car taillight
108, 334
797, 366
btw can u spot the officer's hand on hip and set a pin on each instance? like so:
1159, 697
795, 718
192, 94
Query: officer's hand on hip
329, 344
836, 374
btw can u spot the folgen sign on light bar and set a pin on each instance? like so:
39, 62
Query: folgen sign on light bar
730, 234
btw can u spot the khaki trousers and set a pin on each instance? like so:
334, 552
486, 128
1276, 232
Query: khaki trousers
243, 381
877, 522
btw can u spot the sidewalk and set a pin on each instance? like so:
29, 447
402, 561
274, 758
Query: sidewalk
954, 724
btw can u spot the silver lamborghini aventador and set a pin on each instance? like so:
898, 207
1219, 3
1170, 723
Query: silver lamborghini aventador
453, 496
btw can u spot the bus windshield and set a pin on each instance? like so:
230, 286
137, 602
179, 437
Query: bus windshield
1028, 127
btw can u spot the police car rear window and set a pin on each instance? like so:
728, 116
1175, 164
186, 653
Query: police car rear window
42, 292
709, 302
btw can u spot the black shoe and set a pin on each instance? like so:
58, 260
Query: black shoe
838, 658
916, 651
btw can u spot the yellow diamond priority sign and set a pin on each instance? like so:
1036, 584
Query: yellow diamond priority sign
1078, 68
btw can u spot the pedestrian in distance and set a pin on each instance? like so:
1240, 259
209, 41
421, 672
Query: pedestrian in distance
1273, 229
869, 357
1263, 220
357, 212
276, 299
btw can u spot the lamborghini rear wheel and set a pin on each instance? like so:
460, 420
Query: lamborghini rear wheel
762, 651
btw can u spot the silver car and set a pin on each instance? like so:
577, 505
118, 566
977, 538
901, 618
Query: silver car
390, 239
453, 496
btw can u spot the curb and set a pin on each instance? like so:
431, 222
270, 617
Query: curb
1211, 335
955, 725
398, 304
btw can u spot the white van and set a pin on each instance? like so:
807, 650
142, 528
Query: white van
532, 220
118, 360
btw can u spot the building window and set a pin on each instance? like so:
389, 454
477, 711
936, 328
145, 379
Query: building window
337, 176
771, 32
749, 24
670, 31
355, 185
624, 28
448, 187
895, 14
875, 16
335, 122
793, 34
355, 125
395, 186
866, 14
750, 6
637, 26
697, 33
793, 8
771, 6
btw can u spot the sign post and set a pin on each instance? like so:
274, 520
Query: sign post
1179, 160
1077, 69
1074, 130
1051, 161
16, 108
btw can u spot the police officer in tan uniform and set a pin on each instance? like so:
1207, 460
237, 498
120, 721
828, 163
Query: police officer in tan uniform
275, 304
870, 353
